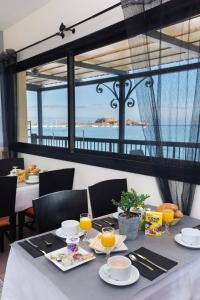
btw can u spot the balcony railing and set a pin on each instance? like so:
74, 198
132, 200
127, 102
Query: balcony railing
172, 150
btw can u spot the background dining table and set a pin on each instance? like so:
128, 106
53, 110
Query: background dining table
25, 194
29, 278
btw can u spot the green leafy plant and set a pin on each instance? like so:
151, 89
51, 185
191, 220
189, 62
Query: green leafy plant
130, 200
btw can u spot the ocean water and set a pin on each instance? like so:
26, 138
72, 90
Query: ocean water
170, 133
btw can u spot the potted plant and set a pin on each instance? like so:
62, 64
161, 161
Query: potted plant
129, 219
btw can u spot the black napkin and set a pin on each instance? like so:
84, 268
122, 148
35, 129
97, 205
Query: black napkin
57, 243
157, 259
105, 224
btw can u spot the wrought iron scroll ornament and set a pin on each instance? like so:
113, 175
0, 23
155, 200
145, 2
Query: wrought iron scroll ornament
114, 89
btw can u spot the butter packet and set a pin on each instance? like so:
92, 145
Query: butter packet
153, 223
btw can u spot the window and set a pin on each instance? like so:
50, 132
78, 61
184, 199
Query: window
47, 104
112, 89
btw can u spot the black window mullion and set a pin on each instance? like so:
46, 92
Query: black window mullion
71, 102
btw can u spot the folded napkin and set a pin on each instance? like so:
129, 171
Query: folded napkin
154, 257
105, 222
96, 242
57, 243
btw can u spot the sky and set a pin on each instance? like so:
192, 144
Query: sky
177, 92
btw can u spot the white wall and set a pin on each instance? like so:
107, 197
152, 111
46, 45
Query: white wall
46, 21
1, 41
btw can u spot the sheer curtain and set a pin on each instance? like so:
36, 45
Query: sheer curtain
8, 101
169, 103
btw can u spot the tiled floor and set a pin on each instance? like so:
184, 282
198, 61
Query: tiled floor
4, 255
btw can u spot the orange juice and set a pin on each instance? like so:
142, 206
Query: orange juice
85, 223
108, 239
168, 216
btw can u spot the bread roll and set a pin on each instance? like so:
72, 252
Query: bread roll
171, 206
178, 214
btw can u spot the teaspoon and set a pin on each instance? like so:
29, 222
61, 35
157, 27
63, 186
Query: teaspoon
134, 258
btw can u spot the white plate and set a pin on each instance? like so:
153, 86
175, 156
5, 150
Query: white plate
133, 278
74, 265
178, 239
32, 182
61, 235
121, 248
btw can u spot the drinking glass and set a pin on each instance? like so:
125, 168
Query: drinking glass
168, 217
108, 239
86, 225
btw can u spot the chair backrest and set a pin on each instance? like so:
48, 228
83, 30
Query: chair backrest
55, 181
8, 187
102, 193
6, 165
52, 209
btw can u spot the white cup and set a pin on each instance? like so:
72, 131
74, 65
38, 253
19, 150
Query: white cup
190, 236
70, 227
119, 267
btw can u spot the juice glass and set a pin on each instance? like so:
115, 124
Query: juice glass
108, 239
85, 224
168, 217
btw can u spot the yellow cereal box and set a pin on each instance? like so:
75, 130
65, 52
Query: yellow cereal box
153, 223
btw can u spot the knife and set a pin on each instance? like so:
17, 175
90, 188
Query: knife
98, 224
109, 223
35, 246
151, 262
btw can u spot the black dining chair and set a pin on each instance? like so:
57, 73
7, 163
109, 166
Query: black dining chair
102, 193
8, 187
52, 209
6, 165
55, 181
49, 182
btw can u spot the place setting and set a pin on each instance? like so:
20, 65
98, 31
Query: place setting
29, 175
189, 237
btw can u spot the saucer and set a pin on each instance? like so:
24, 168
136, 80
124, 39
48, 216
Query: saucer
61, 235
178, 239
133, 278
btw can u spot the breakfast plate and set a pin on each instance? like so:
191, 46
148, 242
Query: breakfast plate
105, 277
120, 248
63, 236
65, 261
178, 239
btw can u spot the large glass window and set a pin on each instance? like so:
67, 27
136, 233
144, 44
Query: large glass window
47, 104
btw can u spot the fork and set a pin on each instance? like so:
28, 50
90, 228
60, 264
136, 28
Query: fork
35, 246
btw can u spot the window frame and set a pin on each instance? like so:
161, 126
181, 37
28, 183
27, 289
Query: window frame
174, 11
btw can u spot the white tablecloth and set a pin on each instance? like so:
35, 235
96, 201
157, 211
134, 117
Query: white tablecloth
25, 194
27, 278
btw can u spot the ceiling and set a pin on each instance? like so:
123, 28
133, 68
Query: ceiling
12, 11
178, 45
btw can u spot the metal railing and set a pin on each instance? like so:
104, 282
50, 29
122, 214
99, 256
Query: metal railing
172, 150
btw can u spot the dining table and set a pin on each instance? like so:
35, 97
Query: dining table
29, 278
25, 194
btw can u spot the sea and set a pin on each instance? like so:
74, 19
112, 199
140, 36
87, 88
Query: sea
170, 133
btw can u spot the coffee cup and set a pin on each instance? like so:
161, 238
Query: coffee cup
70, 227
119, 267
190, 236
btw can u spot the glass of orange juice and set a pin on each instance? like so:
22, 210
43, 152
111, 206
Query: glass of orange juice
168, 217
85, 224
108, 239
